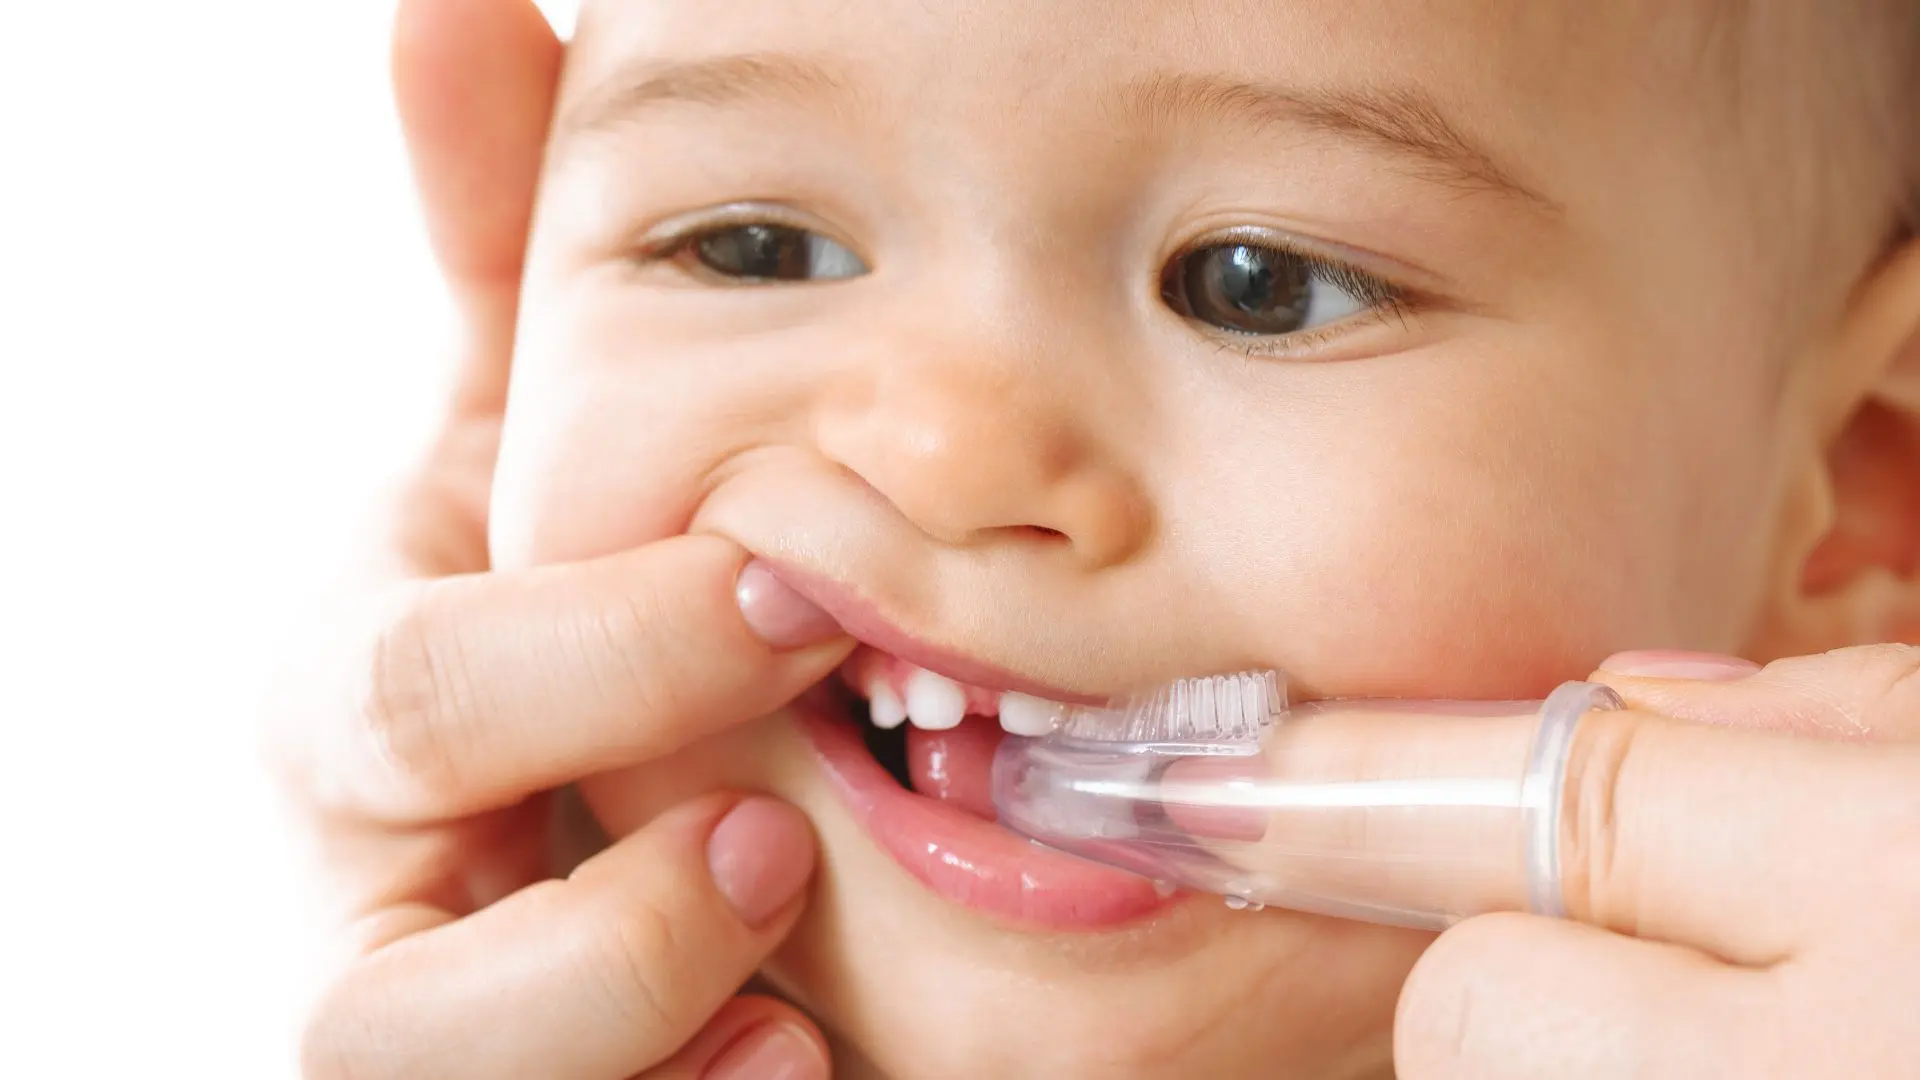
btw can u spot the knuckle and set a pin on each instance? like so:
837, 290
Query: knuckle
632, 631
633, 966
410, 702
1899, 668
1877, 688
1858, 693
1889, 656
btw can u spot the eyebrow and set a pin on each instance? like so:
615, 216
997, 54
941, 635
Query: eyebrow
718, 82
1405, 121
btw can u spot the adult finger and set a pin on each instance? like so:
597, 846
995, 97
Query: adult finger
752, 1038
1371, 809
1728, 840
1506, 997
473, 692
1724, 840
1868, 693
603, 975
474, 84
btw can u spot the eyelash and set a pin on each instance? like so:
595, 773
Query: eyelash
1382, 299
677, 240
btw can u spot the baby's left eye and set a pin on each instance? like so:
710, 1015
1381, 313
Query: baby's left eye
766, 252
1247, 288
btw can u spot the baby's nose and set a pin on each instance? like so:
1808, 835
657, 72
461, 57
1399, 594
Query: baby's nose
974, 452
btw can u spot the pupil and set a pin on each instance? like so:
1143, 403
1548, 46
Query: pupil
1246, 280
1247, 289
771, 252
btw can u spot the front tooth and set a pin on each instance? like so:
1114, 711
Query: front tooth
1023, 714
934, 702
884, 706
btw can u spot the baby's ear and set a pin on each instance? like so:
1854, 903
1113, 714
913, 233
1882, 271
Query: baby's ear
1860, 580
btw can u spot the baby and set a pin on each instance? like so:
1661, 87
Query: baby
1414, 347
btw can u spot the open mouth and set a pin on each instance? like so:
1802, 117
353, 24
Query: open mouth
936, 737
911, 751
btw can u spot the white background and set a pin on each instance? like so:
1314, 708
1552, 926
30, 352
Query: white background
218, 329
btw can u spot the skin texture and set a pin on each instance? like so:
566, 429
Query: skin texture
1619, 414
1597, 432
1693, 948
414, 741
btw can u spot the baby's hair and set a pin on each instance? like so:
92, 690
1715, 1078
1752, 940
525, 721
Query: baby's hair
1909, 106
1826, 94
1899, 21
1866, 86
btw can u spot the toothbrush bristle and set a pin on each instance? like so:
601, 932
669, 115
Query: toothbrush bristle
1219, 714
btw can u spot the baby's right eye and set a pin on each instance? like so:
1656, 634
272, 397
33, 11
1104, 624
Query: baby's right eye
765, 252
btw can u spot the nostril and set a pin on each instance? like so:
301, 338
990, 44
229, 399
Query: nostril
1041, 532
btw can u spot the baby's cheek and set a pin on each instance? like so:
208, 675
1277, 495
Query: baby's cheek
1471, 576
612, 437
586, 479
1467, 633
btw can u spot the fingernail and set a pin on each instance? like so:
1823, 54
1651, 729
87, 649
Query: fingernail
777, 614
1700, 667
761, 855
776, 1051
1202, 818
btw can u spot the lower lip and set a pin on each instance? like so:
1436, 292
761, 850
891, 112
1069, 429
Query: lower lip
969, 861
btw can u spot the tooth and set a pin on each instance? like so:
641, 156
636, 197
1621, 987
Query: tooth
884, 706
1023, 714
935, 703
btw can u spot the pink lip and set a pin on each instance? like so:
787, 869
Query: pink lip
864, 622
965, 859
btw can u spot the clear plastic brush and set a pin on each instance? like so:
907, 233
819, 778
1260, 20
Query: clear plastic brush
1405, 813
1217, 715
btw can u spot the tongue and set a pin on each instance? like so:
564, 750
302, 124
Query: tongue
956, 766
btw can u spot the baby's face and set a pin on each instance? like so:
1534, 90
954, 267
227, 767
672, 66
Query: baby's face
1409, 347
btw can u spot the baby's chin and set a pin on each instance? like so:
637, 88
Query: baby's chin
914, 984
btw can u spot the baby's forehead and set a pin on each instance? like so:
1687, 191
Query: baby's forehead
1466, 37
1479, 86
1530, 41
1556, 100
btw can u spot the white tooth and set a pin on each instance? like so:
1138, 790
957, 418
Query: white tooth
884, 706
934, 702
1023, 714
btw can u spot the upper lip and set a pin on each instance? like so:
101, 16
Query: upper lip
863, 621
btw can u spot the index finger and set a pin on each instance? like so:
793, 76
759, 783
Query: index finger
1735, 842
1727, 841
470, 693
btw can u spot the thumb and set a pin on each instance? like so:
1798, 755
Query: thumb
1868, 693
474, 84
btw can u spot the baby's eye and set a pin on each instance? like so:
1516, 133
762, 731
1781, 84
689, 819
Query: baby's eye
766, 252
1247, 288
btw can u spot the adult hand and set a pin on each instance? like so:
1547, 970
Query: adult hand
424, 740
1744, 902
